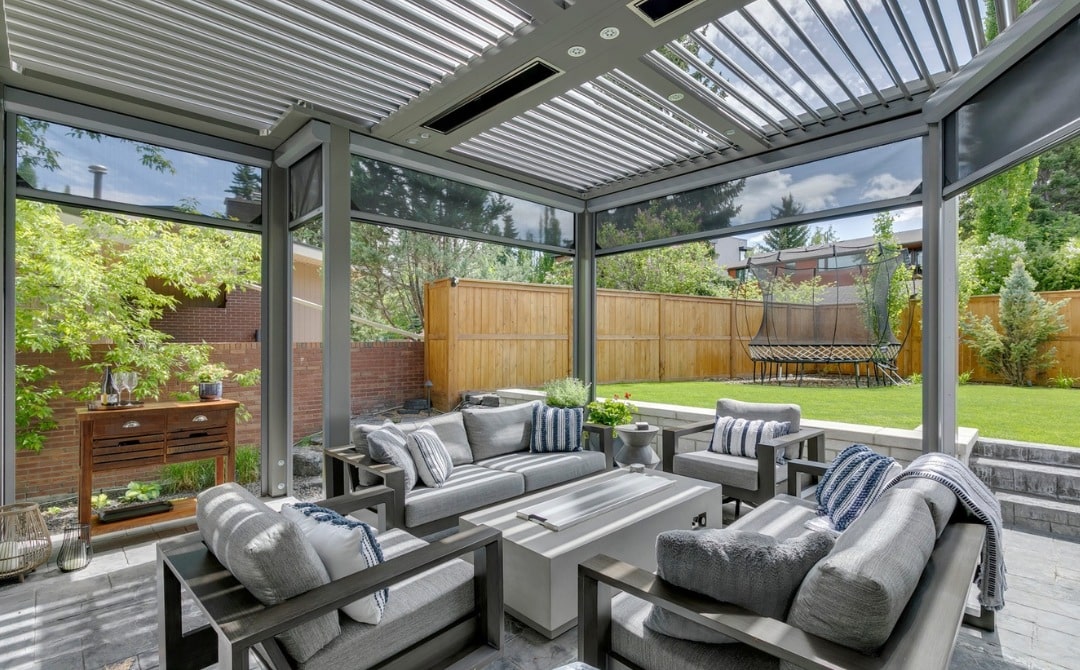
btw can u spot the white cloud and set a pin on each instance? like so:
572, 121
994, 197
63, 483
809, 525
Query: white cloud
885, 186
814, 193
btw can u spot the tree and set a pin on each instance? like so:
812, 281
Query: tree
1027, 321
885, 272
993, 261
826, 235
87, 281
787, 237
246, 183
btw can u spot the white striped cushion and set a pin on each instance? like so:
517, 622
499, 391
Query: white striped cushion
740, 437
433, 462
556, 429
854, 480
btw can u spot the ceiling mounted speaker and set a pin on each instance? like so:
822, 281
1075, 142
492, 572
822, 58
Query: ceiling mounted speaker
519, 81
657, 11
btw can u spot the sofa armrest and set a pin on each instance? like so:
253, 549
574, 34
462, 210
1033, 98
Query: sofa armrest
388, 475
380, 497
238, 621
670, 440
798, 467
605, 434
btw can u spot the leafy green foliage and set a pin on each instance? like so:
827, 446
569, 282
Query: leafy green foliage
964, 377
99, 500
613, 411
991, 261
91, 280
566, 392
1027, 321
142, 491
200, 475
1062, 380
898, 282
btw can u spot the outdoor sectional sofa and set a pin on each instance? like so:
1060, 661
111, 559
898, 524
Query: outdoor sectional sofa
874, 601
492, 463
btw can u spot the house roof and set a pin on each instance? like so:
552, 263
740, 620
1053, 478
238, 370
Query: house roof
909, 239
610, 97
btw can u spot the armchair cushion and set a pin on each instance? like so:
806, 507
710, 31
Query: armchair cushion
556, 429
767, 411
723, 469
269, 555
433, 462
752, 570
740, 437
345, 546
497, 431
387, 445
854, 480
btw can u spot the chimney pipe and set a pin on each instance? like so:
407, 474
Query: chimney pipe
99, 172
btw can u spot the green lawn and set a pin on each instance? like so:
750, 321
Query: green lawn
1050, 416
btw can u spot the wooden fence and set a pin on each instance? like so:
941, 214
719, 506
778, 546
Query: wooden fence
483, 335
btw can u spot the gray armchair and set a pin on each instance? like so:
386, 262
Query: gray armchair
753, 480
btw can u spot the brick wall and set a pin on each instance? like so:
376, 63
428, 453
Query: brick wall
384, 374
237, 321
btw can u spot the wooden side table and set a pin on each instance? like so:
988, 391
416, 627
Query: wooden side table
155, 434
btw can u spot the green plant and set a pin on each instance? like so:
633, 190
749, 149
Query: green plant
1062, 380
53, 511
613, 411
915, 378
199, 475
1027, 321
142, 492
99, 501
212, 372
964, 377
566, 392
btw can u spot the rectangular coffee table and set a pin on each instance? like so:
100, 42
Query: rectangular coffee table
540, 565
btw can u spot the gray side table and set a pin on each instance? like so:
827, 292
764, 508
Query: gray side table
637, 445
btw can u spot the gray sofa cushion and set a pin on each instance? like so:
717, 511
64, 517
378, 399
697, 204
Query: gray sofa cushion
417, 607
647, 649
855, 595
745, 568
269, 555
469, 487
387, 445
767, 411
781, 517
451, 430
722, 469
941, 501
498, 430
543, 470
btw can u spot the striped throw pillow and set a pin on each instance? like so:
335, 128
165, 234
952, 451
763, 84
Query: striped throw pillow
854, 480
556, 429
740, 437
433, 463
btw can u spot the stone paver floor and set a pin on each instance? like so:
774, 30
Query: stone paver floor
104, 616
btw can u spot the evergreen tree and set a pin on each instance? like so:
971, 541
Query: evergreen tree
787, 237
246, 183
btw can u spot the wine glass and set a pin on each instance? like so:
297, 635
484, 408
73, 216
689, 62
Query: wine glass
132, 379
121, 379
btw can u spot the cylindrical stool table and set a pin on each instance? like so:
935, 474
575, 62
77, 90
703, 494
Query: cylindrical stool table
24, 541
637, 445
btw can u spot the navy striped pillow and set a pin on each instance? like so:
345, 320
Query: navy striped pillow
556, 429
433, 462
740, 437
854, 480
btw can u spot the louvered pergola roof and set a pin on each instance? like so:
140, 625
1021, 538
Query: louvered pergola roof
626, 100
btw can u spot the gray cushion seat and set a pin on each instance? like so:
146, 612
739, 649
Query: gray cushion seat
723, 469
543, 470
469, 487
417, 607
647, 649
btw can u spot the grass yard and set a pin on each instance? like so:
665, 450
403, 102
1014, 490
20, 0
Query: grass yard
1046, 415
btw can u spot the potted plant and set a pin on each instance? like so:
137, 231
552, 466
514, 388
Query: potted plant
140, 499
566, 392
614, 411
210, 377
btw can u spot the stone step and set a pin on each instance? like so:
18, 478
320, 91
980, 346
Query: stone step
1053, 482
1029, 513
1028, 452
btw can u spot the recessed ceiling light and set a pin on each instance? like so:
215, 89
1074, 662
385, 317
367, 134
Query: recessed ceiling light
729, 132
425, 135
609, 33
675, 97
412, 140
576, 51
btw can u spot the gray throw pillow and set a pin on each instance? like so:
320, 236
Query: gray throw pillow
387, 445
451, 430
270, 556
744, 568
496, 431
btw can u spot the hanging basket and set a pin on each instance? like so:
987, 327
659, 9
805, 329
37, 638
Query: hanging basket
24, 540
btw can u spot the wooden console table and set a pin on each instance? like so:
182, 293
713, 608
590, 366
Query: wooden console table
154, 434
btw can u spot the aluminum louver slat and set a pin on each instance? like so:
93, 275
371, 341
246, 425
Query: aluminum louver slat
671, 118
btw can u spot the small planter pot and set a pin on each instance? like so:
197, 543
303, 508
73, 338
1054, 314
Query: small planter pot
210, 390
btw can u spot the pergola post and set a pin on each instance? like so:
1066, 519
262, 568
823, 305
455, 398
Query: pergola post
276, 336
7, 317
584, 296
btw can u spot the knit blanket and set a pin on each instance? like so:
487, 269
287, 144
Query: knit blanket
980, 502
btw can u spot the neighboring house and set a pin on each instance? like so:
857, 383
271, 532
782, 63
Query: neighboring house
730, 251
830, 260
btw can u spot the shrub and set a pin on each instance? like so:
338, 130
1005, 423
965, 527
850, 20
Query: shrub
1062, 380
915, 378
964, 377
613, 411
566, 392
199, 475
1027, 321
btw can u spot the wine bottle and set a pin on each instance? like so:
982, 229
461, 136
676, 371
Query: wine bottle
110, 394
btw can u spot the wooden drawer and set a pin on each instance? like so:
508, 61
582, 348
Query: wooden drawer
196, 419
127, 452
185, 445
128, 424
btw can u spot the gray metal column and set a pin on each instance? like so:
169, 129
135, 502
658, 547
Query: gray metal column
585, 299
276, 336
939, 355
337, 350
7, 317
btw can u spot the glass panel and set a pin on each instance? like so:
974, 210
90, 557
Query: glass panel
867, 176
62, 159
305, 185
389, 190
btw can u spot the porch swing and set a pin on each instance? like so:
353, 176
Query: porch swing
821, 311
